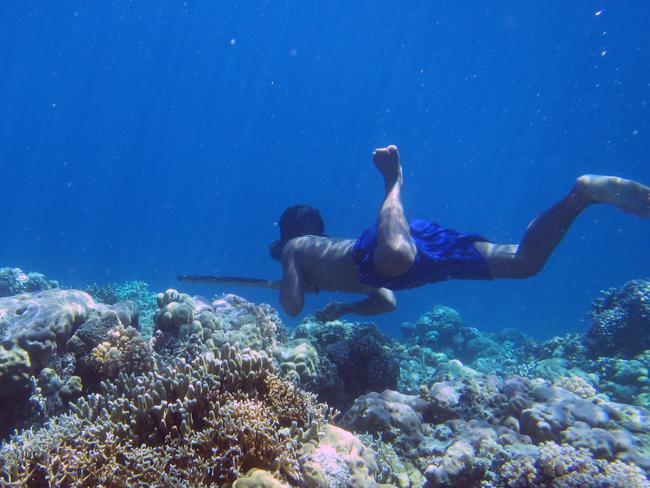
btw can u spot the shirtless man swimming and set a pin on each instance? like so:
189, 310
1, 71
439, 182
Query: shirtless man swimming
396, 253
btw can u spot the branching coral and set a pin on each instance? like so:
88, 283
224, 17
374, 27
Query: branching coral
563, 466
199, 423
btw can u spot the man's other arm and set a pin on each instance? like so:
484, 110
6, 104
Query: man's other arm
292, 290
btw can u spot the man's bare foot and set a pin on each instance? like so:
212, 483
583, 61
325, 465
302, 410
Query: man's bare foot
628, 195
386, 160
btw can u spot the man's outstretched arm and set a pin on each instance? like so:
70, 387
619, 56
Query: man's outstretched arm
382, 301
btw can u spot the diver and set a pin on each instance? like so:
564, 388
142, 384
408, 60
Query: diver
396, 253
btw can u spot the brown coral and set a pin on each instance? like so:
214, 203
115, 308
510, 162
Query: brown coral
564, 466
199, 423
125, 350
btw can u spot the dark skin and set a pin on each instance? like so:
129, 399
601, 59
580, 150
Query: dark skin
312, 263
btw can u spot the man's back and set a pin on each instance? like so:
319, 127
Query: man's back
326, 263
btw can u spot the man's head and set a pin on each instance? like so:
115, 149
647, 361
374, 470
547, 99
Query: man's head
296, 221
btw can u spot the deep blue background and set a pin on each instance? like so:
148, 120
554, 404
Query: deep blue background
140, 140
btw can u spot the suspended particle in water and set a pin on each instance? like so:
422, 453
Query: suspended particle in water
599, 13
603, 53
233, 41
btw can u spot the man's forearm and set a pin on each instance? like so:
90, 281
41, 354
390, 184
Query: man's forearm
373, 305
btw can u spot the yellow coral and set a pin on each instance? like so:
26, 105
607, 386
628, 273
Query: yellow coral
576, 385
124, 351
258, 478
563, 466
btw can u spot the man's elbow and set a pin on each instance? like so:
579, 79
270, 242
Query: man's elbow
389, 302
291, 308
390, 305
293, 312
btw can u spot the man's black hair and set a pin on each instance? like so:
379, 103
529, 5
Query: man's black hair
297, 221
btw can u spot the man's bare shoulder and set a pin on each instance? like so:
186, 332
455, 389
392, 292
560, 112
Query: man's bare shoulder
320, 246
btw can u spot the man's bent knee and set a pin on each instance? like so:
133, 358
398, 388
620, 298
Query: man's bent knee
394, 259
526, 268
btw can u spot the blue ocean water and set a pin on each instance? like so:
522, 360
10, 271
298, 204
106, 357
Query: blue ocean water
139, 140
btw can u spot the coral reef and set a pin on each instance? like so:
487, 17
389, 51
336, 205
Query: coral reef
354, 359
124, 351
40, 322
390, 413
618, 315
135, 291
440, 336
552, 464
338, 460
299, 359
221, 394
184, 325
209, 421
15, 370
14, 281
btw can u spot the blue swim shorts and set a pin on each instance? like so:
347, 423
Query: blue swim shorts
442, 254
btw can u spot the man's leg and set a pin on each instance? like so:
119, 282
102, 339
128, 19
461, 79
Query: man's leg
395, 251
546, 231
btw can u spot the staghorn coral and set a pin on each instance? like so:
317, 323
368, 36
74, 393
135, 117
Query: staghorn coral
199, 423
125, 350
